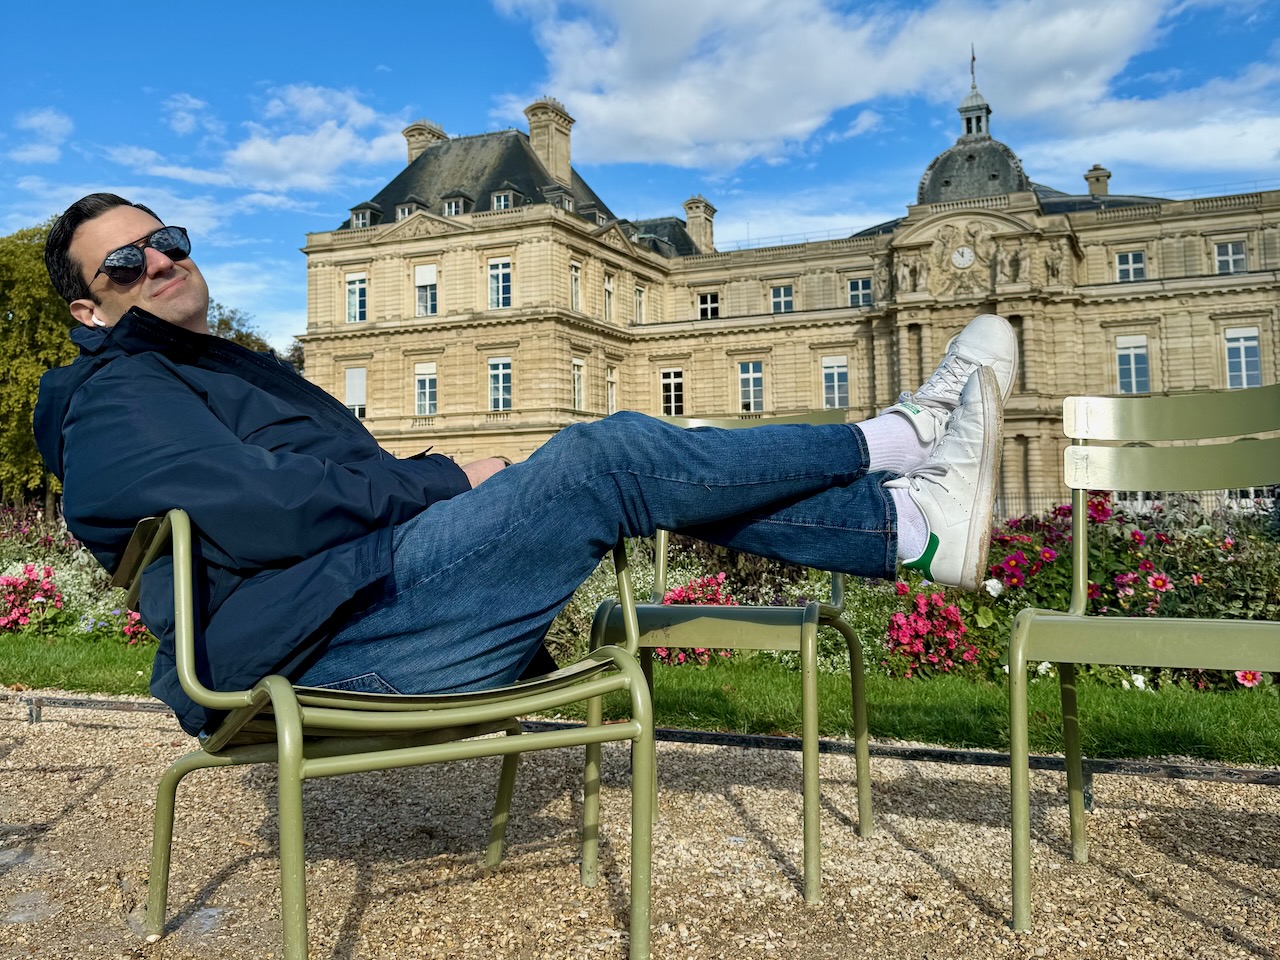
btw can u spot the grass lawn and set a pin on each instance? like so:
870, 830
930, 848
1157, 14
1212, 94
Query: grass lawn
756, 695
74, 664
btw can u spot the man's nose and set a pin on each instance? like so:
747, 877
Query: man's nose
157, 262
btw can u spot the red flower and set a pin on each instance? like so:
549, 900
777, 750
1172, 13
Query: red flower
1138, 537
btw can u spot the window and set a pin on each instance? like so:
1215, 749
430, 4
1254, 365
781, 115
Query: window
751, 385
610, 390
501, 201
835, 382
601, 219
708, 306
860, 292
567, 203
404, 210
424, 285
424, 389
499, 283
781, 299
1230, 257
357, 298
672, 380
356, 390
1131, 266
499, 383
639, 304
608, 298
359, 219
1132, 368
452, 208
1244, 361
579, 384
575, 286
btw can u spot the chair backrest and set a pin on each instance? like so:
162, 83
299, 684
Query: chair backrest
812, 417
1156, 443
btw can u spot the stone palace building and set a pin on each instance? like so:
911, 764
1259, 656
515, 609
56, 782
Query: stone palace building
487, 297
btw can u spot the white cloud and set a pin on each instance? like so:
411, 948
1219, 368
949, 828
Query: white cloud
35, 153
48, 129
187, 114
715, 84
308, 161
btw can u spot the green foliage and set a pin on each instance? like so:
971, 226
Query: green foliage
33, 338
235, 325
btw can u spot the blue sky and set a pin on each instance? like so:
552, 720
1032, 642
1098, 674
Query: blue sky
253, 124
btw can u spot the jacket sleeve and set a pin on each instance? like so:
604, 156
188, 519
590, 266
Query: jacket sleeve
140, 441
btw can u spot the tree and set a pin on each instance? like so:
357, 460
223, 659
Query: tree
33, 338
235, 325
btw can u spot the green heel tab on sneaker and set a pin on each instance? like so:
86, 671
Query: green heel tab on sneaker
925, 560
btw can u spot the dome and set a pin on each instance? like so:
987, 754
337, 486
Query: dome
972, 168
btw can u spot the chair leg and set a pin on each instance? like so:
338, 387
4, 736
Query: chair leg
591, 800
1074, 762
861, 736
162, 838
643, 786
502, 804
809, 760
1019, 778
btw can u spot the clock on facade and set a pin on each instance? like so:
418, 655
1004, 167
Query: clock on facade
962, 257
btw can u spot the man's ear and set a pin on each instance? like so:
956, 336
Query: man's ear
84, 312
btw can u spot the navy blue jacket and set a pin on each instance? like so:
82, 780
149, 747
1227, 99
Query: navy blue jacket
292, 499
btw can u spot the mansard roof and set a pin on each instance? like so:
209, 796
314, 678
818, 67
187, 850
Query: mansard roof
477, 167
665, 236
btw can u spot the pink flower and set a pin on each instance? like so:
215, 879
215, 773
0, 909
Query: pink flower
1248, 678
902, 588
1197, 579
1159, 582
1162, 538
1228, 543
1048, 554
1138, 537
1146, 566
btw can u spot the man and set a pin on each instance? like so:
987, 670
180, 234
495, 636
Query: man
329, 560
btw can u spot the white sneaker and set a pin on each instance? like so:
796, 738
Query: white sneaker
955, 488
988, 341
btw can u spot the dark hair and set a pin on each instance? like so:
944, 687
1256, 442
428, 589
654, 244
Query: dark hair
66, 274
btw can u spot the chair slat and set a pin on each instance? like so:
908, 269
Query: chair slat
1216, 466
1192, 416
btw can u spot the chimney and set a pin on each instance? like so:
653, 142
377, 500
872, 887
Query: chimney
549, 136
698, 216
421, 134
1097, 178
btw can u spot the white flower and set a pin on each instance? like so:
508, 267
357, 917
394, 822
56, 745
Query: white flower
1044, 668
1140, 681
1005, 668
993, 586
1124, 684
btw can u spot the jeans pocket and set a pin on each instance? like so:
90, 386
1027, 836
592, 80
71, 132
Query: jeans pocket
364, 683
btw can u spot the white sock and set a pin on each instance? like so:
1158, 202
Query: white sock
893, 444
913, 529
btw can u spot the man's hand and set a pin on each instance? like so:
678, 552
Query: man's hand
480, 470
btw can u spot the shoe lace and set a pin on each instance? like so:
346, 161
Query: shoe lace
948, 379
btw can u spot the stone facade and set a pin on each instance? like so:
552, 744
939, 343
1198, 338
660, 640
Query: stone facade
542, 312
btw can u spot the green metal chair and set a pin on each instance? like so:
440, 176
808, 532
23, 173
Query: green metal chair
766, 628
310, 732
1071, 637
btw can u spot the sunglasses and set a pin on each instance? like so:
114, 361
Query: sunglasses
126, 265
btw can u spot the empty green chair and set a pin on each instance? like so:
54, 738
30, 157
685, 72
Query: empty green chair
766, 628
1150, 447
309, 732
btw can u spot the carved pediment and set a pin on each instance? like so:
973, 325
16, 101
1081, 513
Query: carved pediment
420, 224
614, 237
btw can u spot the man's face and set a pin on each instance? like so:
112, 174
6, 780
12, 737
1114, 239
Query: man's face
172, 290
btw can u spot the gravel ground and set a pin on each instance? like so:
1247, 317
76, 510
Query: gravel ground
1177, 868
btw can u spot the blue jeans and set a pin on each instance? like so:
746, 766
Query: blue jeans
478, 579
